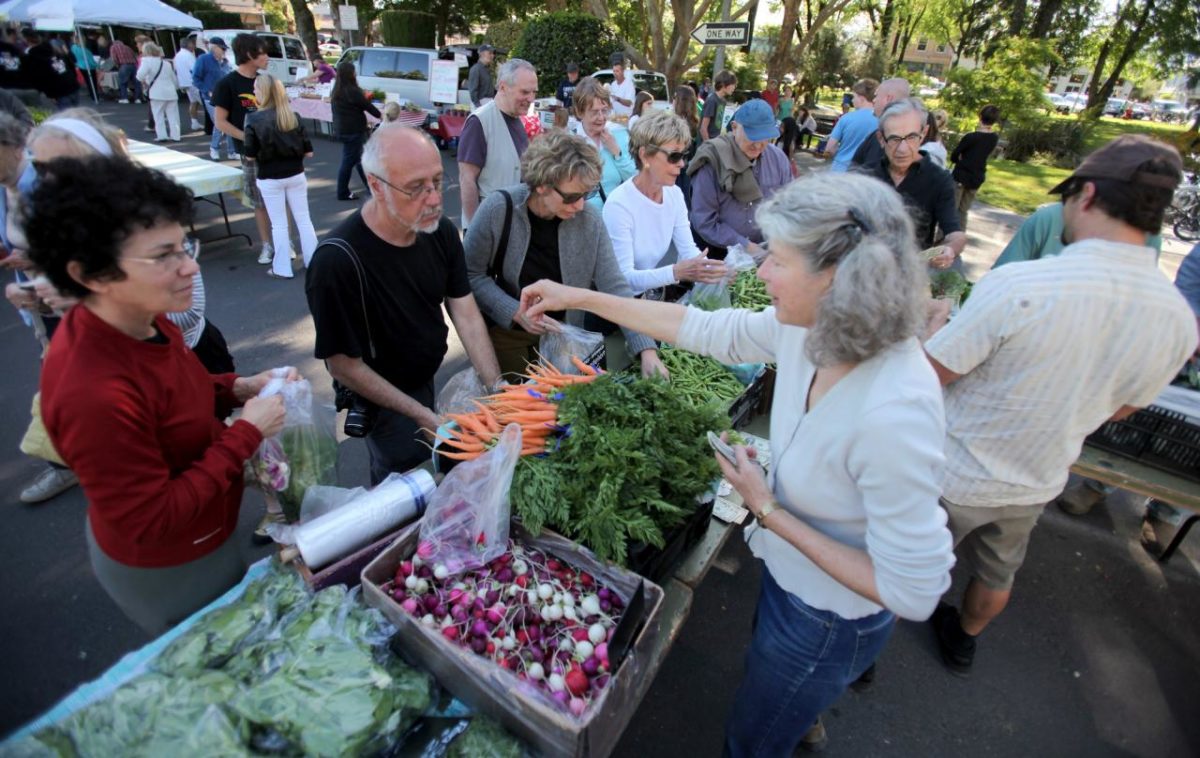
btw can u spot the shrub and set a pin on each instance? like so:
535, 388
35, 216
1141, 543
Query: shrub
219, 20
550, 41
1012, 79
1060, 142
408, 28
504, 34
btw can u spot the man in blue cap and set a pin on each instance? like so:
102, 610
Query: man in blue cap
732, 174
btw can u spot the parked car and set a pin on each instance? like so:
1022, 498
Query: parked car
1072, 102
1115, 107
286, 52
825, 116
1053, 100
1168, 110
332, 49
403, 71
648, 81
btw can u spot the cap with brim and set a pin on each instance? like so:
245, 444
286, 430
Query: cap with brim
1121, 159
218, 42
757, 120
486, 48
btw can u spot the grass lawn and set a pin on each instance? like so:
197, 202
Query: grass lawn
1019, 187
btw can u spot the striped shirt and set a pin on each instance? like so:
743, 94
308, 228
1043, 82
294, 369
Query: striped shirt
191, 321
122, 54
1049, 350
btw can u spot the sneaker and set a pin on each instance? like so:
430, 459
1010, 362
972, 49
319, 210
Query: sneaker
815, 739
956, 646
123, 102
147, 128
49, 483
292, 251
197, 126
866, 681
261, 536
1078, 499
267, 254
214, 154
234, 157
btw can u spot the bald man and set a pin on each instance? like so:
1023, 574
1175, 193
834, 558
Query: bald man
870, 153
376, 287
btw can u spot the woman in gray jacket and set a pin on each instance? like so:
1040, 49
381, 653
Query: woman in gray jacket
549, 232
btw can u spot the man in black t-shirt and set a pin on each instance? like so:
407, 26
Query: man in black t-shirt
970, 160
51, 72
232, 98
378, 309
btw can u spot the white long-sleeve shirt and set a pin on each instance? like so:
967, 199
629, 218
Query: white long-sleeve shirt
184, 62
863, 466
162, 86
642, 232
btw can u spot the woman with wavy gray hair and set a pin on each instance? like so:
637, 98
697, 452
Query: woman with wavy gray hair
544, 229
848, 526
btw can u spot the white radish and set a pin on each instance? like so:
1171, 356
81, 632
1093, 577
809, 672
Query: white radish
509, 643
440, 572
590, 605
535, 671
410, 581
545, 591
597, 633
520, 567
584, 650
555, 683
422, 586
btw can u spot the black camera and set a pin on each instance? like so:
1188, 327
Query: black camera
360, 412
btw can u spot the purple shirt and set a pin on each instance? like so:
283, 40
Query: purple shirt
718, 217
325, 72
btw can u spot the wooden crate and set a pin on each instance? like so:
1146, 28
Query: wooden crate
499, 693
347, 571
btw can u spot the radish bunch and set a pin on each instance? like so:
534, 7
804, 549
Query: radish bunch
532, 614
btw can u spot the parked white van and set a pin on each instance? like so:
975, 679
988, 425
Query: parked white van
287, 54
403, 71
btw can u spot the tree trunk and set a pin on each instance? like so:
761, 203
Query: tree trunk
778, 62
1044, 21
1132, 44
306, 27
1016, 17
887, 19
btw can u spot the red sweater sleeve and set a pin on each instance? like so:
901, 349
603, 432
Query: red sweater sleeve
223, 389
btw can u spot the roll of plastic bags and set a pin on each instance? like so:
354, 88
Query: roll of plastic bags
397, 499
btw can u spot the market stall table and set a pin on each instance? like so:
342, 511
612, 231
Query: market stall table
203, 178
1141, 479
320, 110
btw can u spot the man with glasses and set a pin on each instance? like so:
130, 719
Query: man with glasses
732, 174
493, 138
870, 153
1040, 356
927, 189
376, 287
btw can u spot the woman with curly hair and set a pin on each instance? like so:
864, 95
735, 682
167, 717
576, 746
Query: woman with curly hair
128, 406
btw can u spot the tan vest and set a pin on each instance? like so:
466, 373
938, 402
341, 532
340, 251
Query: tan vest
503, 168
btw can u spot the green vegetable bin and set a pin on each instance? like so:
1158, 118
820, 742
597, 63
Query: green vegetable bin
497, 692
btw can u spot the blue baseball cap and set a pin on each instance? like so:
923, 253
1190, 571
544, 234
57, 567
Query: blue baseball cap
218, 42
757, 120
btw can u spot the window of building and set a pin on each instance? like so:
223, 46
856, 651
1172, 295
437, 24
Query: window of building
1078, 78
922, 44
941, 48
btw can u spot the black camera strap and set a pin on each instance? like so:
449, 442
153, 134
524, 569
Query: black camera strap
496, 267
348, 249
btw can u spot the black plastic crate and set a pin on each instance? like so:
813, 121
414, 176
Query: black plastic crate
1156, 437
747, 404
658, 565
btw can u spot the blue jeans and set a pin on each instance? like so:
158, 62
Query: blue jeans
215, 142
127, 80
800, 661
352, 150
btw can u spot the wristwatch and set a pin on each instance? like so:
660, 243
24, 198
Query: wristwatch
767, 510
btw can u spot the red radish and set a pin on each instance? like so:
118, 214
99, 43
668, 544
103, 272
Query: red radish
450, 633
577, 682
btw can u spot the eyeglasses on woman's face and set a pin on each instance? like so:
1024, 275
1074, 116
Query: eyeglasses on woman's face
189, 249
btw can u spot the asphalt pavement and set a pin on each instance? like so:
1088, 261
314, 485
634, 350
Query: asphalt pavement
1098, 654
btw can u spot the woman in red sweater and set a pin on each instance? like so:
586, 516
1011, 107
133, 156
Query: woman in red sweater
127, 404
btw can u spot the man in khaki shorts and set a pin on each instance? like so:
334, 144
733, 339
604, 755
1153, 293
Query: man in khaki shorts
1042, 354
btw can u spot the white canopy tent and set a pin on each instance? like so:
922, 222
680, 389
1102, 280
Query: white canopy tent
69, 15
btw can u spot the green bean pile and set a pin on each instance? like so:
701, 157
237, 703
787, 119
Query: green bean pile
749, 291
699, 380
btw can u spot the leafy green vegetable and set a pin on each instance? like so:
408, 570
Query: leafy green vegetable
950, 285
484, 738
312, 459
631, 468
749, 291
700, 380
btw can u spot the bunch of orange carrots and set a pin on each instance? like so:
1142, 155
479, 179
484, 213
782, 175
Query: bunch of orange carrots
530, 404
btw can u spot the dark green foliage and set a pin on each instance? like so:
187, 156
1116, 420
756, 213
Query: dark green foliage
550, 41
408, 28
1063, 140
220, 20
631, 469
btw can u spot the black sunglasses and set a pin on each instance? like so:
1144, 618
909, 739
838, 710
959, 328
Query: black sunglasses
675, 156
570, 198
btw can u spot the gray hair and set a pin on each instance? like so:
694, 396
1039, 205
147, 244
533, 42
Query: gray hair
372, 155
13, 131
151, 49
657, 129
510, 68
557, 157
903, 108
880, 286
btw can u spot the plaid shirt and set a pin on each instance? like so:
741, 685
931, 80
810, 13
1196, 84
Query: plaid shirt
122, 54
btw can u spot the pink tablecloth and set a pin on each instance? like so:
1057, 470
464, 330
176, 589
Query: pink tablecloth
323, 111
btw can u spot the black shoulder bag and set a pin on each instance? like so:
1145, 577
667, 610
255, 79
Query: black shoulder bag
496, 267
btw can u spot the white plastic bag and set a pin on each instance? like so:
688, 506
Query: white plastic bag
466, 524
564, 342
460, 392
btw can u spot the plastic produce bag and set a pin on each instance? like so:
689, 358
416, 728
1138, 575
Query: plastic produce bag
711, 297
460, 393
303, 454
564, 342
737, 259
466, 524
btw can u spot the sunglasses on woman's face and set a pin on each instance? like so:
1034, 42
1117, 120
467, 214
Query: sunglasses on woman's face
570, 198
674, 156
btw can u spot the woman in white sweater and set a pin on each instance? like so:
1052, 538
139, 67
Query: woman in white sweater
646, 215
848, 525
157, 75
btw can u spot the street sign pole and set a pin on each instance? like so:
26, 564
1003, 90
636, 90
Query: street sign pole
719, 61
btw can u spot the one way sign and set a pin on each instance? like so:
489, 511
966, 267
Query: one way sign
723, 33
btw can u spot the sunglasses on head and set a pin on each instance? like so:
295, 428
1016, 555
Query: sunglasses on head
674, 156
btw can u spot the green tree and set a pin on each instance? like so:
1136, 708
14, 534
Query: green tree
549, 41
505, 34
1011, 79
1169, 27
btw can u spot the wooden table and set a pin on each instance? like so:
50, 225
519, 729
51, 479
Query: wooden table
1139, 478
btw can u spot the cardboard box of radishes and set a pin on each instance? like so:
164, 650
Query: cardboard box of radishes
545, 638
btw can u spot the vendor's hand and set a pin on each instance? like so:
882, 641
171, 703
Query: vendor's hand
944, 259
748, 478
652, 365
700, 269
50, 295
266, 413
17, 260
20, 297
546, 295
937, 313
246, 387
